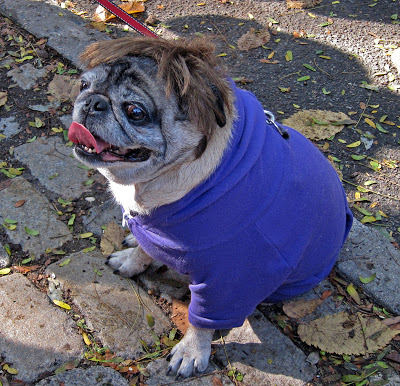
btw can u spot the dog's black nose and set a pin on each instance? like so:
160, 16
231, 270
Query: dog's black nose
96, 104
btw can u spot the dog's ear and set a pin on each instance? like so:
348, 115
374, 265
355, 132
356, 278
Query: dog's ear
190, 69
220, 116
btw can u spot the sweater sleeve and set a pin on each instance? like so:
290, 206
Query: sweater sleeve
231, 279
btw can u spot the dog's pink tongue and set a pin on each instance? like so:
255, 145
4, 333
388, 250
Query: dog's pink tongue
78, 133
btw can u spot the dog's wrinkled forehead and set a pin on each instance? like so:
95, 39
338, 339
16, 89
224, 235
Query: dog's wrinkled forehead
135, 71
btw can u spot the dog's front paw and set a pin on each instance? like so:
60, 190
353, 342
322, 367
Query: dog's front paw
129, 262
191, 354
130, 241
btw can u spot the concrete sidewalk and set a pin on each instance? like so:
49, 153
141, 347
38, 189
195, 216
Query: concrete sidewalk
36, 337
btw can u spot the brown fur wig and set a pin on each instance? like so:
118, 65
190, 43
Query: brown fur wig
189, 68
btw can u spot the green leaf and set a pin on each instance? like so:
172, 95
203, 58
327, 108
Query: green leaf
324, 90
367, 280
303, 78
64, 202
358, 157
97, 272
26, 261
72, 220
363, 211
31, 232
375, 165
325, 57
65, 262
84, 167
8, 221
369, 182
150, 320
272, 20
325, 24
90, 249
31, 140
89, 182
289, 56
309, 67
380, 128
362, 189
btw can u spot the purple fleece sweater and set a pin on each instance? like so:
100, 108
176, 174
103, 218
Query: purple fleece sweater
268, 224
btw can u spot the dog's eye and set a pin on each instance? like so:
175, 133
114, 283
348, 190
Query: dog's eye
84, 85
135, 112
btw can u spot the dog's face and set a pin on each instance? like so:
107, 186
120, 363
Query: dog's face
132, 123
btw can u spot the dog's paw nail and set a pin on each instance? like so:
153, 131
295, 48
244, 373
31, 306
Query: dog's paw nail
169, 369
107, 262
178, 375
116, 272
168, 358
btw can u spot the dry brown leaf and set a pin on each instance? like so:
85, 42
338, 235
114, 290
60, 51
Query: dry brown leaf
3, 98
180, 315
253, 39
300, 308
25, 270
112, 238
63, 88
268, 61
346, 334
131, 7
390, 321
302, 4
19, 203
304, 122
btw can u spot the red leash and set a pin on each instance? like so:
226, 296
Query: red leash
125, 17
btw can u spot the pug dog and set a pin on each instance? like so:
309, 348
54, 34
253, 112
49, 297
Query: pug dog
209, 183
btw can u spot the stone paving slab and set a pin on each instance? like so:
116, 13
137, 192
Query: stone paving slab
264, 355
158, 377
26, 75
35, 336
67, 33
102, 214
109, 303
365, 253
53, 164
36, 214
9, 126
92, 376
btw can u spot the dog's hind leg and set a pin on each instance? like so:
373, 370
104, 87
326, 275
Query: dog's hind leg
129, 262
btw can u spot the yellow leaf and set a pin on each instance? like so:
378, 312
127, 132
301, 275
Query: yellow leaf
10, 370
86, 339
382, 214
86, 235
370, 122
354, 144
368, 219
353, 293
61, 304
5, 271
357, 195
57, 129
271, 55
